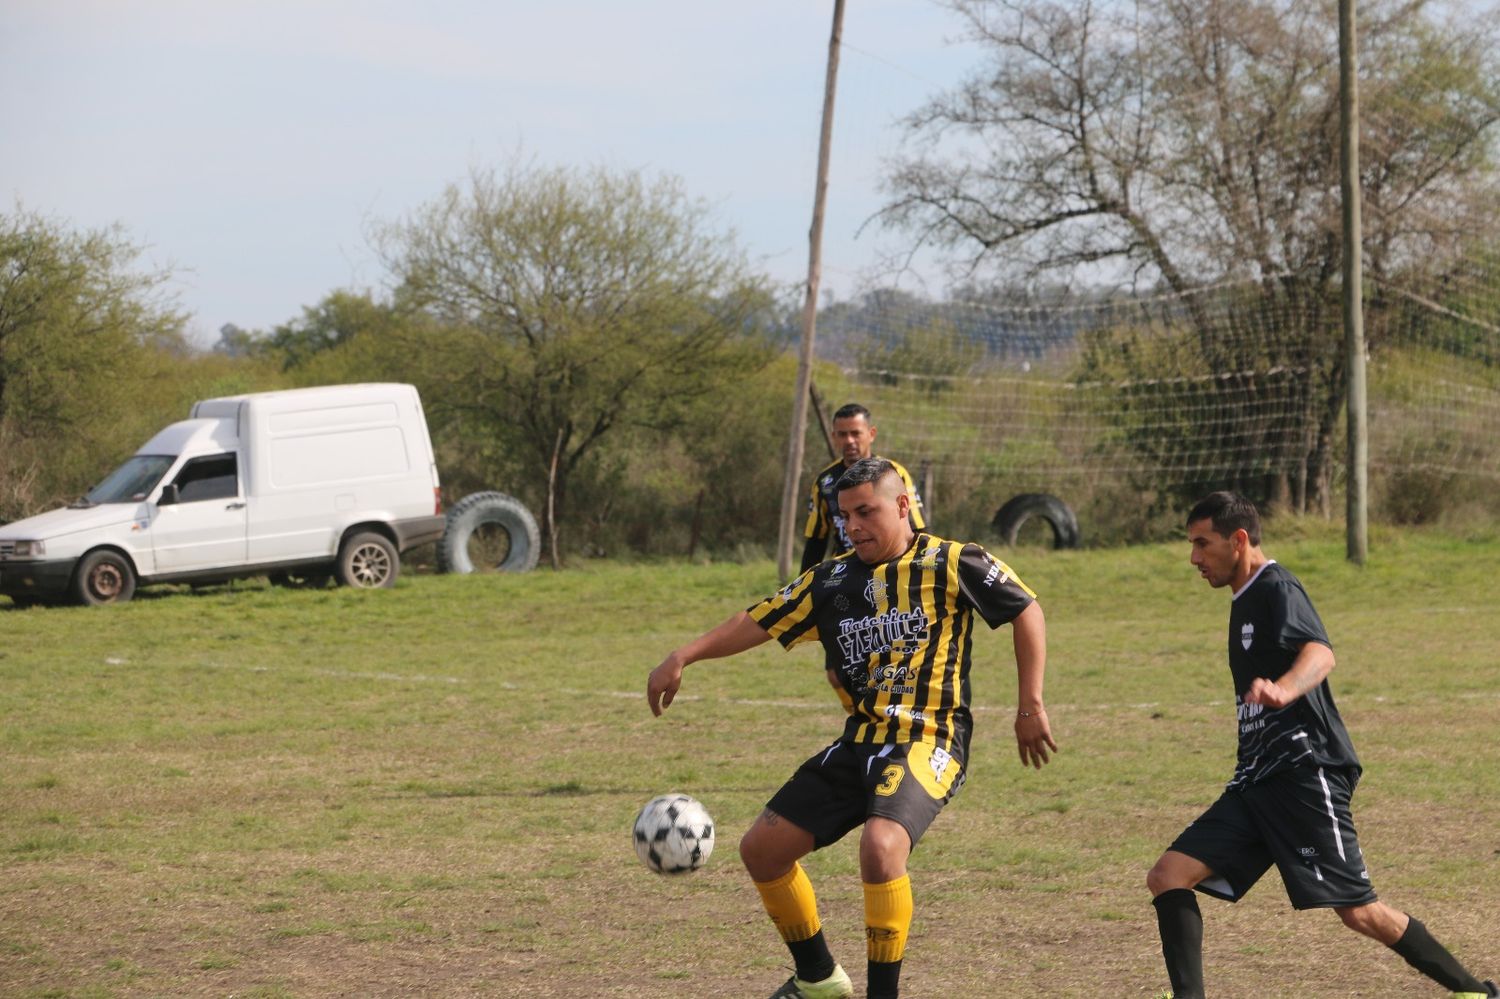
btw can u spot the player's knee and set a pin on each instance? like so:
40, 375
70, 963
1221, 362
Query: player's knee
1162, 877
767, 856
1365, 919
752, 851
883, 849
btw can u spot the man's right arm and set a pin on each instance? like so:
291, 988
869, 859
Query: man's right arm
735, 635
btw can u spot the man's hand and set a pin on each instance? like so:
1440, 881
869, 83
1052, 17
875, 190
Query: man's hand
1313, 664
735, 635
662, 684
1269, 693
1034, 738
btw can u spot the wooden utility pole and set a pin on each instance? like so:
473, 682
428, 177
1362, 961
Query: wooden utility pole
1357, 513
790, 492
820, 410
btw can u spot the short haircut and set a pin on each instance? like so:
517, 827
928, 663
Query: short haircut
1229, 512
864, 470
850, 410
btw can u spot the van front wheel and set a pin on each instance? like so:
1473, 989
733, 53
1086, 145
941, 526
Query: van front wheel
104, 577
368, 561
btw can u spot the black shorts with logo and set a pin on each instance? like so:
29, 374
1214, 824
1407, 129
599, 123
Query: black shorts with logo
1297, 819
842, 786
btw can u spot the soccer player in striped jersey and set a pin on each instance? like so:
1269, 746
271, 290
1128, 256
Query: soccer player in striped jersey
853, 437
1288, 801
898, 615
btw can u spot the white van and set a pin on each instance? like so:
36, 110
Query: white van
299, 485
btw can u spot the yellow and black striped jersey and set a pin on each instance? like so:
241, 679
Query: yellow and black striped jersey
823, 520
899, 634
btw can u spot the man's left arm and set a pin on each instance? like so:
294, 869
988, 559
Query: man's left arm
1033, 730
999, 597
1311, 667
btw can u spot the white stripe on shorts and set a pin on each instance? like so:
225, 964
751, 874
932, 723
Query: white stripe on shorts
1328, 802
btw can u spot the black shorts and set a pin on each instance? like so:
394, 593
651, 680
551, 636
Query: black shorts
842, 786
1297, 819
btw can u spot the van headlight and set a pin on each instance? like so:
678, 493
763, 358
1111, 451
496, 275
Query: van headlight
31, 549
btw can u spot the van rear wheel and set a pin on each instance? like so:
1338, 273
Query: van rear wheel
368, 561
104, 577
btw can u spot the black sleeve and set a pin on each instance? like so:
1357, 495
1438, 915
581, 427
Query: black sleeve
994, 589
812, 553
1295, 620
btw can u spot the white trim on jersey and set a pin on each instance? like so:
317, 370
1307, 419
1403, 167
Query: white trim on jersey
1251, 581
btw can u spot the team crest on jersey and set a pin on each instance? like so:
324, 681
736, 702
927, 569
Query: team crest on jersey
827, 481
875, 592
1247, 635
929, 558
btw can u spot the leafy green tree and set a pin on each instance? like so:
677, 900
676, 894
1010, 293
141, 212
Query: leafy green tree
82, 331
322, 327
571, 304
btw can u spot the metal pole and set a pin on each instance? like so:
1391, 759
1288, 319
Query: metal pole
1356, 517
790, 492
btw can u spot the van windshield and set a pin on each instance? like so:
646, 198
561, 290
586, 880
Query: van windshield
132, 482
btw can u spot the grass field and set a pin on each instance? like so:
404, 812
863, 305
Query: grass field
428, 791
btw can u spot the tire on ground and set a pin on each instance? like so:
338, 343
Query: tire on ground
1019, 509
103, 577
489, 509
369, 561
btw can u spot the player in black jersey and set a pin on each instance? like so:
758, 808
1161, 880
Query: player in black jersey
897, 614
1288, 801
854, 436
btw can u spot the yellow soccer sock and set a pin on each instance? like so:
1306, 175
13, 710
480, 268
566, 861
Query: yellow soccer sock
791, 904
887, 919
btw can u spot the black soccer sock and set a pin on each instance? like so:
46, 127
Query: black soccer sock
882, 979
813, 960
1181, 925
1421, 951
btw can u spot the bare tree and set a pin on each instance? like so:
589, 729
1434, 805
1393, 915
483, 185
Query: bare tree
1174, 144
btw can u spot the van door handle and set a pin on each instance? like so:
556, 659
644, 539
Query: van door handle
235, 506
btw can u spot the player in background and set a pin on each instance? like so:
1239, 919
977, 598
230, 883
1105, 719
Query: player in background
898, 614
1288, 801
853, 437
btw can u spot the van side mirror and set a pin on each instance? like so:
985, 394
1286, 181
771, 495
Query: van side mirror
168, 495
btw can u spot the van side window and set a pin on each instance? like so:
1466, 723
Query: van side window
210, 478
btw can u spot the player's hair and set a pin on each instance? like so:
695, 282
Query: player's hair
1229, 512
850, 410
864, 470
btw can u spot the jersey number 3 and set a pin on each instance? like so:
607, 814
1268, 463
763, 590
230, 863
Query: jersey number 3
892, 775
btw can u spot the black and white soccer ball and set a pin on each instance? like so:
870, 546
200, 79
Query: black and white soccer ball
674, 834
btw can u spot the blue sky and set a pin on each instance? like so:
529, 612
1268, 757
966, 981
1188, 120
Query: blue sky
250, 144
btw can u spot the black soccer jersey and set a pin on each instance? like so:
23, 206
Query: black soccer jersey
1270, 619
823, 520
899, 634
